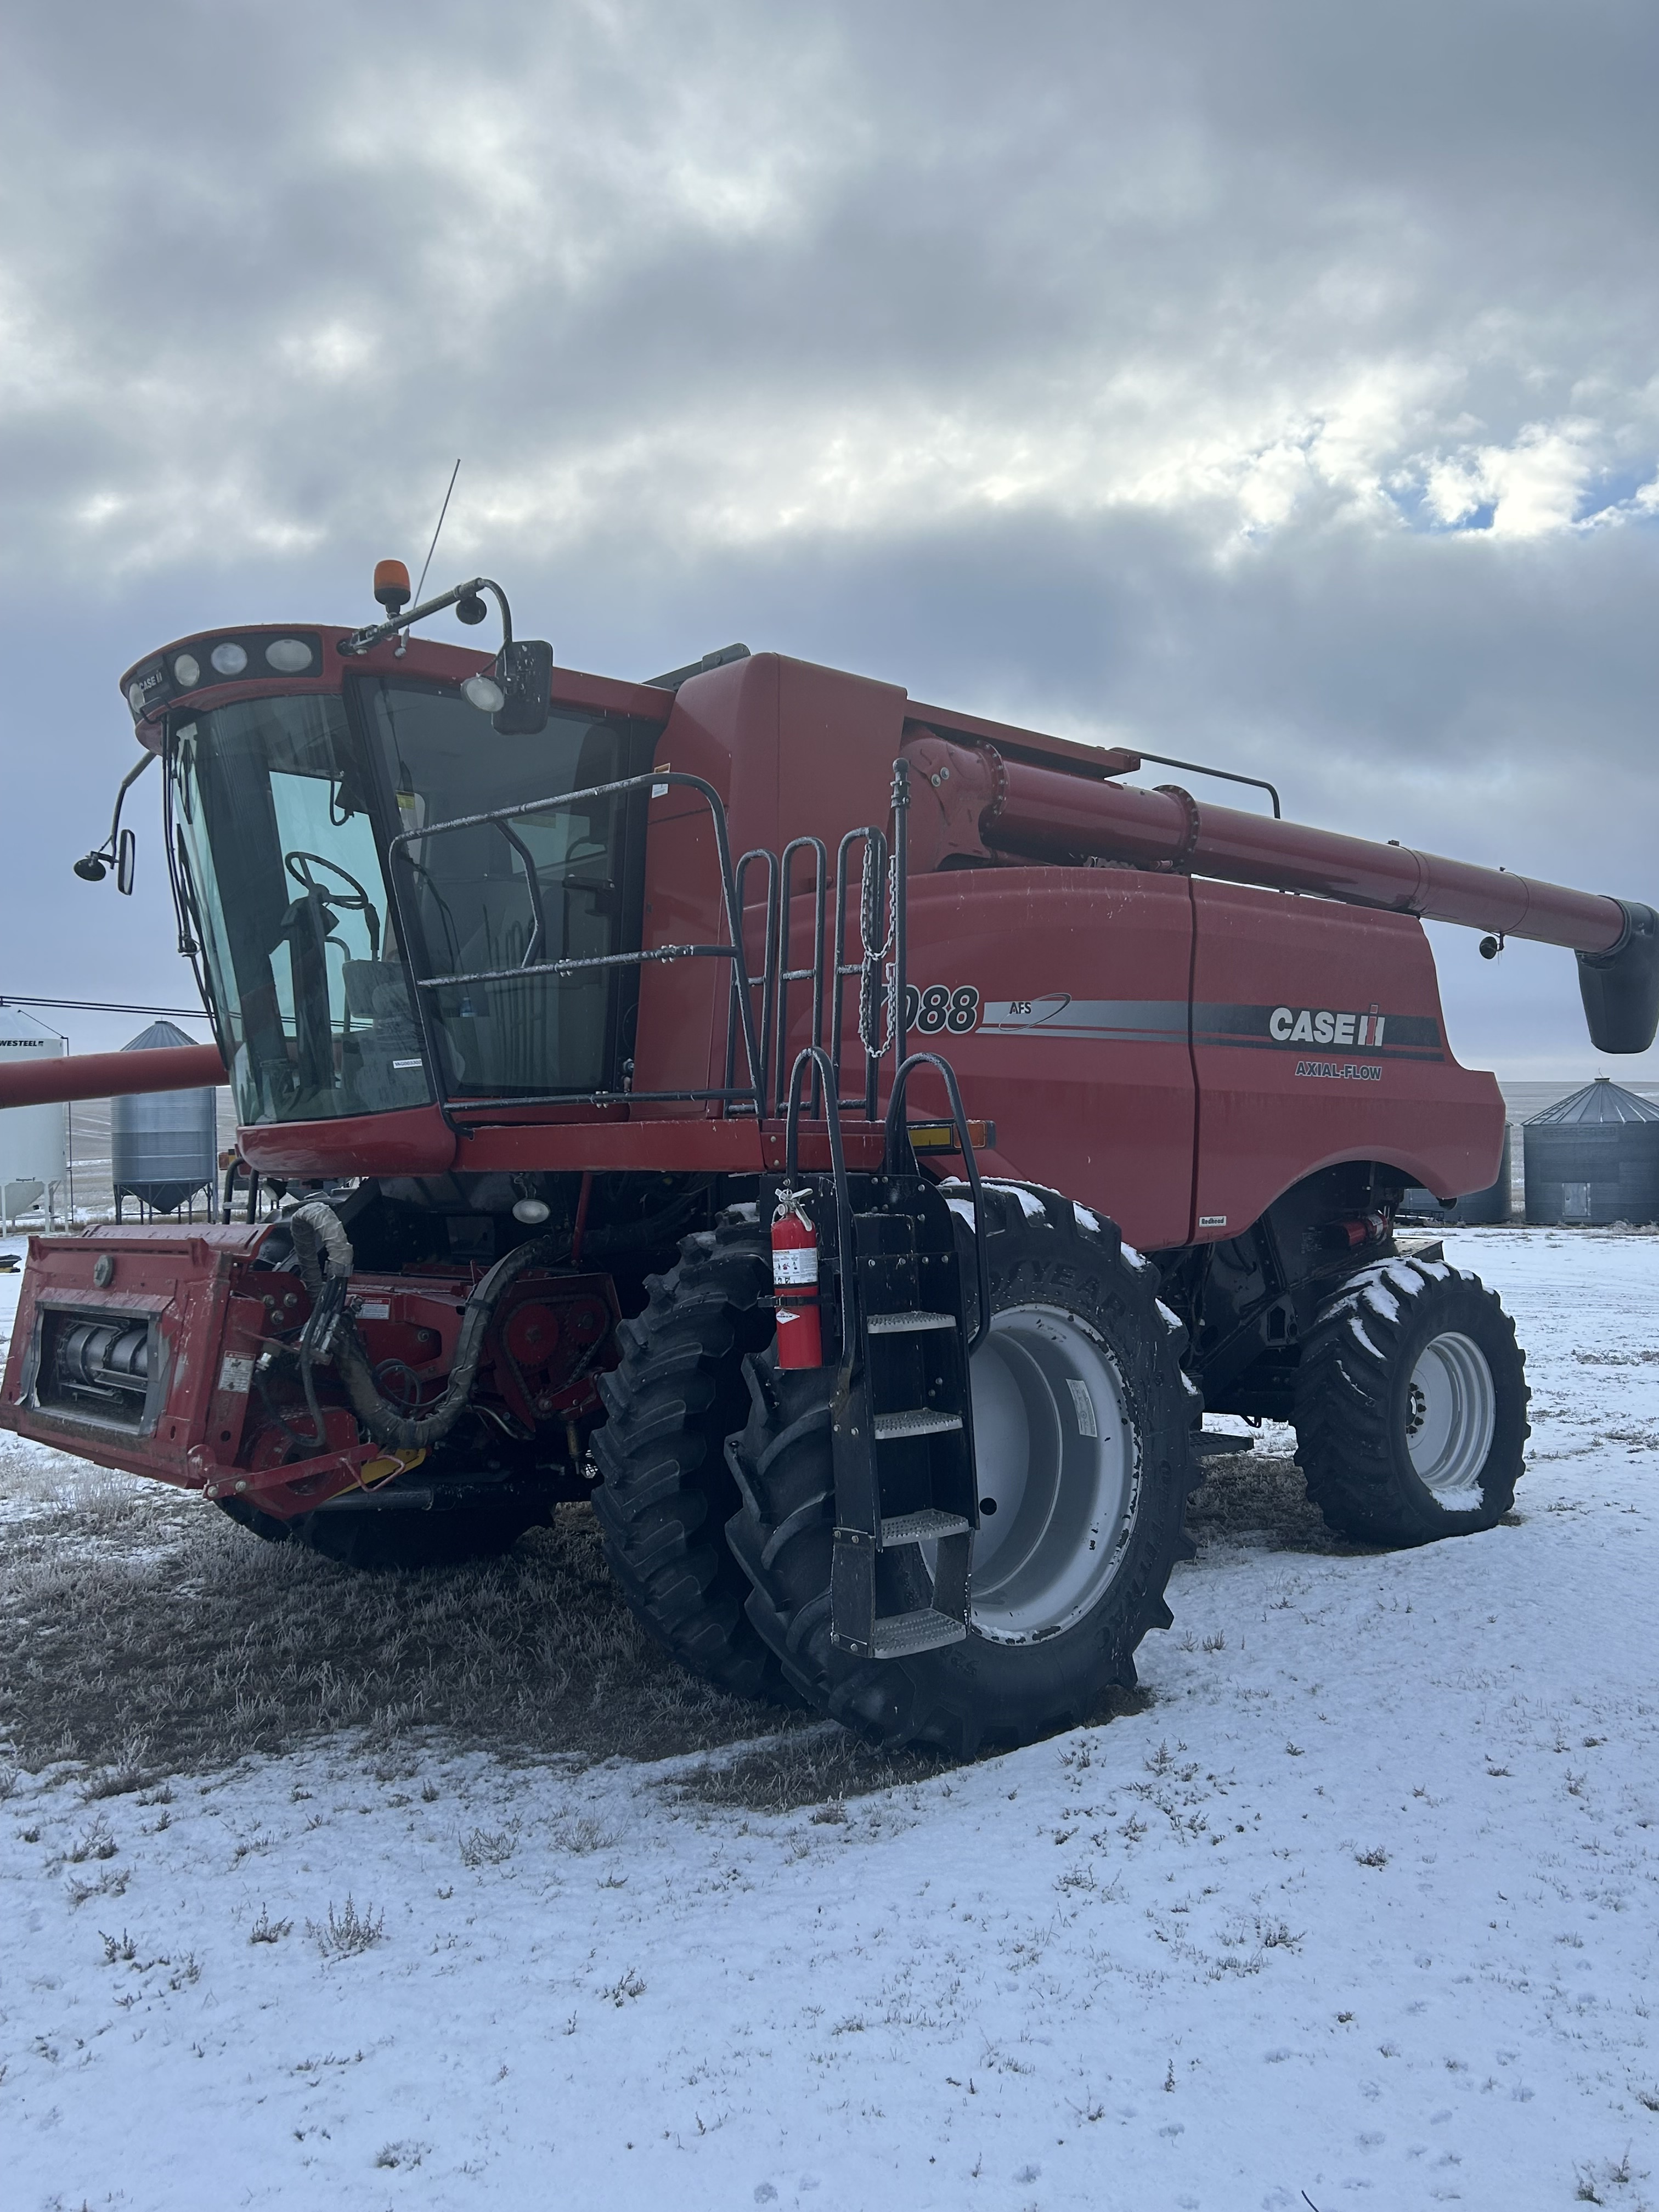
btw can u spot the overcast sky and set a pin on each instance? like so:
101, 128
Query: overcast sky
1278, 384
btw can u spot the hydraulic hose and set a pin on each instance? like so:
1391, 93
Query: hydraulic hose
319, 1235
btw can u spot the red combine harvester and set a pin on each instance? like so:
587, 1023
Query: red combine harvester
573, 1022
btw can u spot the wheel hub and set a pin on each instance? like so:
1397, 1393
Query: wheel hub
1059, 1474
1451, 1417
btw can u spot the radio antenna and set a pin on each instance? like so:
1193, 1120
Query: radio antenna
442, 511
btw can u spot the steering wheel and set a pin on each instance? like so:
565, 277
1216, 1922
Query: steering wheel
355, 901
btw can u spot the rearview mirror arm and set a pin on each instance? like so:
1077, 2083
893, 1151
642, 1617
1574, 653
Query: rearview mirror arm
98, 863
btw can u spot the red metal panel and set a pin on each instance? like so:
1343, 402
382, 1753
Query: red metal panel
1080, 1051
682, 1004
183, 1277
415, 1140
1287, 997
664, 1143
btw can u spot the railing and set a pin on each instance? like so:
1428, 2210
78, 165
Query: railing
871, 951
757, 1078
750, 1094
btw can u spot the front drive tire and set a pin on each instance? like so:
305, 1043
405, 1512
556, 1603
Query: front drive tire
676, 1395
1082, 1418
1411, 1405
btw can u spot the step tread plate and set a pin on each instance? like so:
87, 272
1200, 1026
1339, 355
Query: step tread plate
906, 1324
897, 1635
915, 1421
930, 1526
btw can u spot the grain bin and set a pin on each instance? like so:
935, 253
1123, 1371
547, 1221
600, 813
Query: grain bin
32, 1172
1593, 1157
163, 1143
1489, 1205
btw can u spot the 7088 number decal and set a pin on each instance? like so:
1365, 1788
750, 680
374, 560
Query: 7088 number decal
941, 1006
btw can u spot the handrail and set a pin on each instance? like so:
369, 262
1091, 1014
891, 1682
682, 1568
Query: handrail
813, 973
769, 963
879, 963
533, 885
817, 1058
1226, 774
899, 1159
654, 782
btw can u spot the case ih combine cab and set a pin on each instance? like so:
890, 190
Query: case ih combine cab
849, 1142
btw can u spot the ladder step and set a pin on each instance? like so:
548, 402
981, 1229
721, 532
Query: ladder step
908, 1324
898, 1634
918, 1421
928, 1526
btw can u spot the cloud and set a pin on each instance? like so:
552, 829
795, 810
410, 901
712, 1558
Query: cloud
1278, 382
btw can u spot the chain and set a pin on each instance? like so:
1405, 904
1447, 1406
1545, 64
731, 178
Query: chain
875, 956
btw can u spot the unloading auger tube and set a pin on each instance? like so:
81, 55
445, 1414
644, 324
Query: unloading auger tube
1019, 810
318, 1229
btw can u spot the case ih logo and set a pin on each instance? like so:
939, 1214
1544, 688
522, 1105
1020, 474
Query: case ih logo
1323, 1028
1303, 1025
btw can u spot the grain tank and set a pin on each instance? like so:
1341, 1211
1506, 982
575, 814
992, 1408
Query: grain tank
1594, 1159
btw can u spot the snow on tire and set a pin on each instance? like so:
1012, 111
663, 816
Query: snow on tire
1411, 1405
1082, 1418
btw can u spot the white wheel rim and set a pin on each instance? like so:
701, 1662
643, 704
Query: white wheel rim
1057, 1502
1451, 1415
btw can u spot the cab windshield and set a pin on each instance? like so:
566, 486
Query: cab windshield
282, 811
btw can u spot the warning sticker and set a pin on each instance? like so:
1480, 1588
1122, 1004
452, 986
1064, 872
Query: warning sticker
236, 1375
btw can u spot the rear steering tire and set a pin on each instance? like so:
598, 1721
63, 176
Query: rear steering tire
1411, 1405
1082, 1417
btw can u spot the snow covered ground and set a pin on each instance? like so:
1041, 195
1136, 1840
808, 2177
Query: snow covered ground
1360, 1909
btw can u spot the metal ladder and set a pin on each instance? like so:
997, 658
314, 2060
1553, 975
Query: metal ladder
901, 1415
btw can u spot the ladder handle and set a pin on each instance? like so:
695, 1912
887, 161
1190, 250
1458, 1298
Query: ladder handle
815, 1056
896, 1128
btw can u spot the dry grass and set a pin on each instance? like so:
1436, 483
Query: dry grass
142, 1634
1258, 1500
816, 1765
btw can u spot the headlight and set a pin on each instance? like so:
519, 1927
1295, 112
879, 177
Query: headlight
229, 657
186, 670
484, 693
289, 656
136, 698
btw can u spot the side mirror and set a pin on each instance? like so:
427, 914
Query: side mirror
126, 863
525, 671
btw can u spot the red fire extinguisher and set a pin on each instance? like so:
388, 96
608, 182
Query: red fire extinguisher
795, 1283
